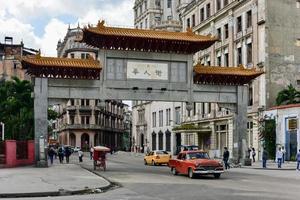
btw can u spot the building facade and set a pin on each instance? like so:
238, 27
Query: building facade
88, 122
251, 33
153, 122
156, 14
9, 63
287, 128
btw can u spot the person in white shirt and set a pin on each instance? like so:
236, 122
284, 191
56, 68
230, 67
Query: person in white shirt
279, 157
80, 155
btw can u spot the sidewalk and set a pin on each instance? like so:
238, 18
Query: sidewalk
271, 165
65, 179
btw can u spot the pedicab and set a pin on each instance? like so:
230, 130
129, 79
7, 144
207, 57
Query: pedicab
99, 156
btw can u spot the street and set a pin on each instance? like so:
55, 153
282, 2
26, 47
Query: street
138, 181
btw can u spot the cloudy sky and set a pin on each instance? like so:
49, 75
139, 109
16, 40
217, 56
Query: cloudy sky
40, 24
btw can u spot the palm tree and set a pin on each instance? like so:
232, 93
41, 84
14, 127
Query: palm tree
288, 96
16, 108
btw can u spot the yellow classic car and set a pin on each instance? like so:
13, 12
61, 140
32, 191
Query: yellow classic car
157, 158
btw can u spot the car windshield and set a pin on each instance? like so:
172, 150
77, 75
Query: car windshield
161, 152
197, 155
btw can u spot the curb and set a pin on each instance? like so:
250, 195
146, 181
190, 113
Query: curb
63, 192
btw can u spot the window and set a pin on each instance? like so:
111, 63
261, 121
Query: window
87, 118
207, 10
249, 19
239, 24
169, 3
219, 60
141, 25
203, 108
83, 56
188, 23
146, 23
145, 5
168, 117
141, 9
82, 119
157, 3
209, 107
135, 13
219, 33
72, 55
226, 33
226, 59
154, 119
193, 20
225, 3
218, 4
177, 115
202, 14
250, 98
239, 56
161, 118
72, 119
169, 17
82, 102
249, 53
72, 102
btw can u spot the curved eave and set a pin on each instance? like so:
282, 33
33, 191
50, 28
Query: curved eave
127, 41
62, 68
224, 75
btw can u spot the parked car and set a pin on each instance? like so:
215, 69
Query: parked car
76, 149
194, 163
157, 158
186, 148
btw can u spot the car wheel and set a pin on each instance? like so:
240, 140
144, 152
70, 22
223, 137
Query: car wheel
217, 176
153, 163
174, 172
191, 173
145, 162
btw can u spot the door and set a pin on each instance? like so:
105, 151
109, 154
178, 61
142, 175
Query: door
293, 144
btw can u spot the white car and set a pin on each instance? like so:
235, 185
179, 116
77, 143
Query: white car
76, 149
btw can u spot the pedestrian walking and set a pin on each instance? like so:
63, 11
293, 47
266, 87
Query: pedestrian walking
51, 153
80, 155
61, 154
279, 157
298, 160
283, 154
265, 156
253, 154
226, 158
68, 154
91, 152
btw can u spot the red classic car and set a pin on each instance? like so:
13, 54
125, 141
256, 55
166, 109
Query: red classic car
193, 163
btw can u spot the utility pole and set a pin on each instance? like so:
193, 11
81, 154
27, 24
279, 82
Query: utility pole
2, 130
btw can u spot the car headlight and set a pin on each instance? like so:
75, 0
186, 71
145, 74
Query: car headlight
220, 163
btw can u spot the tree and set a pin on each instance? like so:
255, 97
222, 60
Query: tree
17, 110
288, 96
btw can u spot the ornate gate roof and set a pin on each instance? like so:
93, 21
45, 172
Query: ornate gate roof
52, 67
224, 75
145, 40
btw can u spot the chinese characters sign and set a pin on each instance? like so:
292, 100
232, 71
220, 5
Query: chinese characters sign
147, 70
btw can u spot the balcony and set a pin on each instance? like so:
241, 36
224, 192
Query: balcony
85, 108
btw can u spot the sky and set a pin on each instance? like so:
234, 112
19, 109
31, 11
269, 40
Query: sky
41, 23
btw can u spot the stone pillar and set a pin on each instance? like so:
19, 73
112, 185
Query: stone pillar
41, 121
213, 138
240, 125
92, 139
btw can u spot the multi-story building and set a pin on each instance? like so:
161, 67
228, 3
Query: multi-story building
256, 34
88, 122
152, 122
9, 63
156, 14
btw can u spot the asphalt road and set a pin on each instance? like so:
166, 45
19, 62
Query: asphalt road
156, 182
